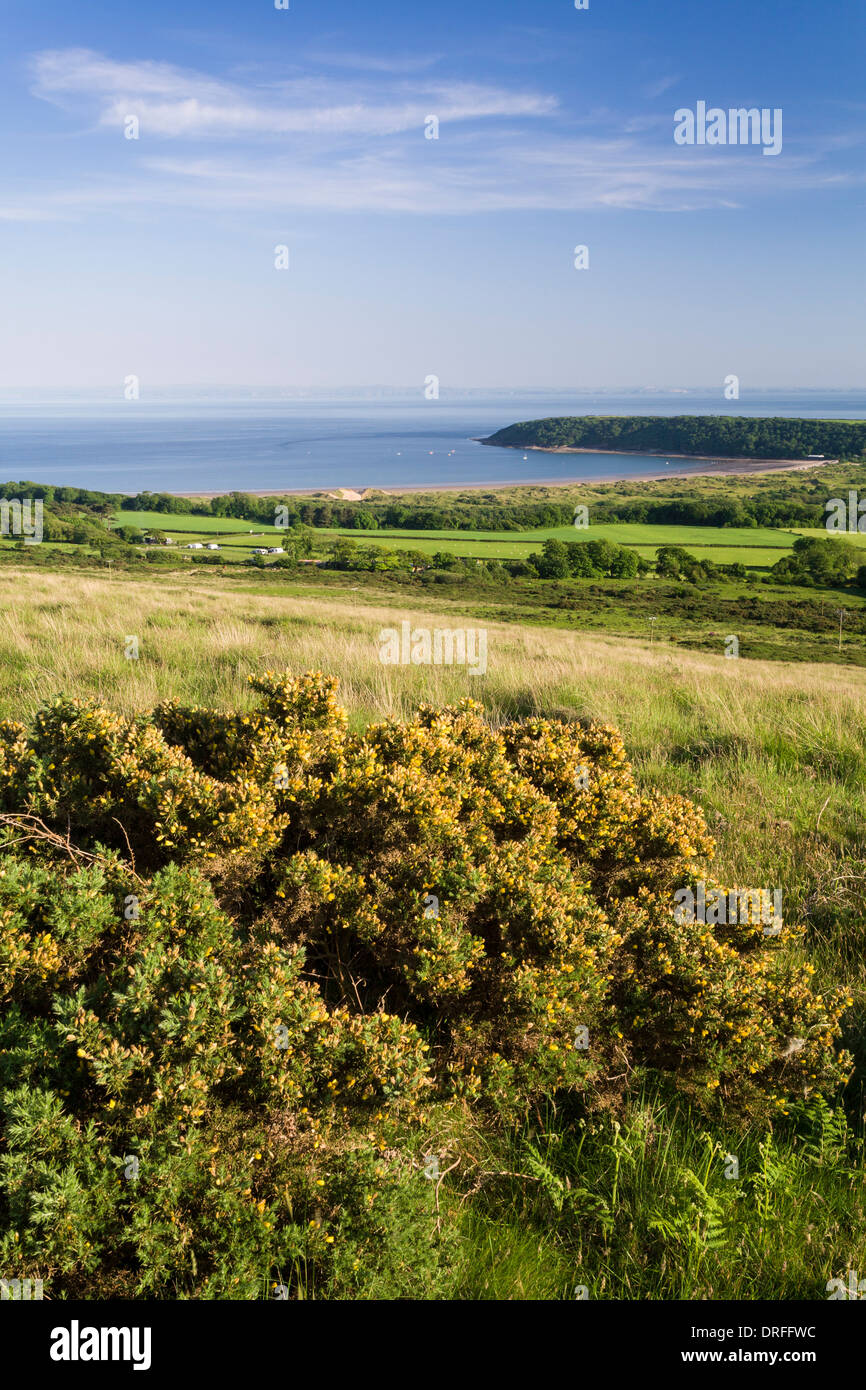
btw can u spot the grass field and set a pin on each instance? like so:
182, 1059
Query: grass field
629, 533
857, 538
773, 753
774, 622
725, 553
757, 548
188, 524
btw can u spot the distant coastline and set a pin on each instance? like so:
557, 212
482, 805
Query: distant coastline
722, 439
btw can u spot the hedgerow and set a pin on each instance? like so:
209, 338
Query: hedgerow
248, 959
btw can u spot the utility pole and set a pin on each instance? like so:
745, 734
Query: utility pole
652, 629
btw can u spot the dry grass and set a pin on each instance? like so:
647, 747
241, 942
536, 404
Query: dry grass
66, 632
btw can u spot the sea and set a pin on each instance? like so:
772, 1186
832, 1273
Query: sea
203, 441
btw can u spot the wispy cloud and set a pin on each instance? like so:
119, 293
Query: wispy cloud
518, 175
377, 62
172, 103
658, 88
361, 148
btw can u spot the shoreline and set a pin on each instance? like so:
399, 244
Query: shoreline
659, 454
718, 469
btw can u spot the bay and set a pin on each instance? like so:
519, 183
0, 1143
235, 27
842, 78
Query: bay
211, 443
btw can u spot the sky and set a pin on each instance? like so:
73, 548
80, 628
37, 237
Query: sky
308, 129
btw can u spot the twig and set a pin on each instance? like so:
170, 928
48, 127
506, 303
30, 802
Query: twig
442, 1175
32, 828
506, 1173
128, 845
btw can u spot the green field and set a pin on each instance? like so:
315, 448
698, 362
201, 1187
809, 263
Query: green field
755, 547
193, 525
456, 543
852, 537
628, 533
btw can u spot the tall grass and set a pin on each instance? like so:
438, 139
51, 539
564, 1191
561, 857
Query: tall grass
657, 1208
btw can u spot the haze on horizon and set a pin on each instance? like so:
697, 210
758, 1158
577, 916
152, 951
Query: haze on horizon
408, 256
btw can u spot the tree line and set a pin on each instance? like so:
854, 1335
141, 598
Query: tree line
724, 435
74, 508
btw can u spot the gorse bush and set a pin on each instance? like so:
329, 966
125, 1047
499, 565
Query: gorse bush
246, 958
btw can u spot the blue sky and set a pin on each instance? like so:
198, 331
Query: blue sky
409, 256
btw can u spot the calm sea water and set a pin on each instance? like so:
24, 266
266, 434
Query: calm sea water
215, 445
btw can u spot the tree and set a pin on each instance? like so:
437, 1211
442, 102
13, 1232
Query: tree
304, 539
668, 561
601, 553
553, 562
580, 560
818, 561
624, 564
343, 550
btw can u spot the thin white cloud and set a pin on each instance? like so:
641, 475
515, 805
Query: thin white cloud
172, 103
373, 62
80, 71
664, 84
411, 178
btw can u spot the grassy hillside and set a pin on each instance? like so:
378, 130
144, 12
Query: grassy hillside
772, 621
775, 758
775, 753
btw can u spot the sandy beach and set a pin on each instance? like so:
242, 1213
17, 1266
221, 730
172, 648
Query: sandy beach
744, 465
705, 467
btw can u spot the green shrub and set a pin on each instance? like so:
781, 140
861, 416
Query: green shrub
247, 957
